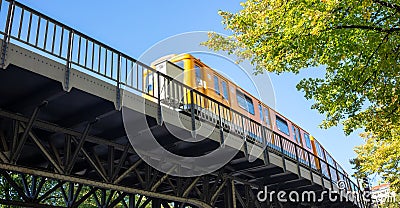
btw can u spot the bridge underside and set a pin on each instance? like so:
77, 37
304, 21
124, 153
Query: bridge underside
71, 148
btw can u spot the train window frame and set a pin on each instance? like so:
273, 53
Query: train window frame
307, 140
245, 102
225, 93
283, 122
216, 85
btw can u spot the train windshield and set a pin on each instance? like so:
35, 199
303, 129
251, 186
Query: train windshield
180, 64
199, 77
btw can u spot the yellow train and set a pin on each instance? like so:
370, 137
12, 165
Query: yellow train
236, 101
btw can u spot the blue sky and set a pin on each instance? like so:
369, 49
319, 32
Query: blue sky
134, 26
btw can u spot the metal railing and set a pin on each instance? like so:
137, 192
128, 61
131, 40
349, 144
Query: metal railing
33, 29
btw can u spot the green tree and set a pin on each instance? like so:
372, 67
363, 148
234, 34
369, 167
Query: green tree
358, 43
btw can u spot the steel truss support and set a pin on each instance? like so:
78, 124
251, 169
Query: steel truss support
75, 172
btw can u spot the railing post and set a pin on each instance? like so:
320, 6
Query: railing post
159, 110
338, 177
320, 171
118, 88
283, 154
310, 166
192, 113
329, 169
265, 143
361, 194
297, 159
69, 61
7, 33
246, 151
221, 126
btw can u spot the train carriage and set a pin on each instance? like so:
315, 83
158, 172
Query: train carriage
240, 112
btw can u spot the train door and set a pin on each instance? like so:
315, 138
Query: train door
297, 139
321, 160
307, 143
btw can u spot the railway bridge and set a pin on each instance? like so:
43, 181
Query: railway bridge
63, 141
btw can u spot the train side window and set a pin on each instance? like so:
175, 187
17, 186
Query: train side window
225, 90
282, 125
319, 150
240, 99
199, 76
245, 102
267, 117
296, 134
261, 112
307, 139
216, 84
250, 105
330, 159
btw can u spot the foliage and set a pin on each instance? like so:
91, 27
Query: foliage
380, 156
358, 43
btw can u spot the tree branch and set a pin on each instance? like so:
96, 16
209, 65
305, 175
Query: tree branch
387, 4
365, 27
369, 59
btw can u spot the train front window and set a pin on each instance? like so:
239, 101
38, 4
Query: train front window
307, 139
282, 125
216, 84
245, 102
199, 76
180, 64
224, 90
